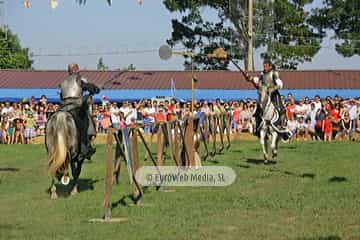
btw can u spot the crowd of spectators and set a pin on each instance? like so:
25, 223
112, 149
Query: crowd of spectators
309, 119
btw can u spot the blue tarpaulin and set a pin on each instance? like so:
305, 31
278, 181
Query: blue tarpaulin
13, 95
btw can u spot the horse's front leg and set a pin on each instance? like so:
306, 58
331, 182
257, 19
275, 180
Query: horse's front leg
274, 144
264, 144
75, 170
53, 194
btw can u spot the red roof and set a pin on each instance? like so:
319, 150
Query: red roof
324, 79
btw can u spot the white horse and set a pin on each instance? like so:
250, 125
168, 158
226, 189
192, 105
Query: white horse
270, 116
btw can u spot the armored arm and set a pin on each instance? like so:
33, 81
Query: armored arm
90, 87
278, 82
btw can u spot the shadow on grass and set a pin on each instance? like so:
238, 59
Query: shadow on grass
213, 161
255, 161
9, 169
123, 201
10, 227
84, 185
243, 166
338, 179
236, 151
331, 237
302, 175
289, 147
260, 161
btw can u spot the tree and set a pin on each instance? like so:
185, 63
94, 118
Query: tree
13, 56
343, 17
280, 27
101, 66
131, 67
294, 39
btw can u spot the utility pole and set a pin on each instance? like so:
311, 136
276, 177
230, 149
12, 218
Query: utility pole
250, 63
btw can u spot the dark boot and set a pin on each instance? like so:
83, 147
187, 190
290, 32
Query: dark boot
87, 150
258, 120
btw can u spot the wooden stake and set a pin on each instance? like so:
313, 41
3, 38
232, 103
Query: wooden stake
108, 176
160, 146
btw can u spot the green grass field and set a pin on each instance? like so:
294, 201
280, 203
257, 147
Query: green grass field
312, 193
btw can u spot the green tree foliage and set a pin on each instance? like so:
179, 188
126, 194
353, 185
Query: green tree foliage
101, 66
131, 67
294, 41
280, 27
13, 56
343, 17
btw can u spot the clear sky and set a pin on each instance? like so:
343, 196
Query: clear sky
97, 30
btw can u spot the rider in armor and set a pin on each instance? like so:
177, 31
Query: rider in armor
73, 101
268, 84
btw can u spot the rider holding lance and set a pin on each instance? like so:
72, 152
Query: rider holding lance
72, 100
268, 84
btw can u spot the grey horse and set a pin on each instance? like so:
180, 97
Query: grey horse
270, 116
62, 145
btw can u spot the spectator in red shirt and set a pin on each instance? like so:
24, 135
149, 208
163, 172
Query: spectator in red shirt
171, 111
335, 119
160, 115
327, 128
290, 109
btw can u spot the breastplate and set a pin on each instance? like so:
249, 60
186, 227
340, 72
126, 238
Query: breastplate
71, 88
267, 79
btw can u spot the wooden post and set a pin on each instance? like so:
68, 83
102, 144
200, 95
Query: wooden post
189, 142
228, 129
108, 176
250, 57
135, 157
172, 141
221, 131
213, 133
205, 136
197, 141
160, 146
177, 150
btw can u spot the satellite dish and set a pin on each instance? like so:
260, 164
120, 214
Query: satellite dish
165, 52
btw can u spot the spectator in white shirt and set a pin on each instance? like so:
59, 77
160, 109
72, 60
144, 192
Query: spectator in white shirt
7, 109
301, 128
311, 114
317, 103
115, 116
125, 109
301, 109
352, 106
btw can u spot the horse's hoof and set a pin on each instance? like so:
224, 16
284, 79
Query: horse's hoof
74, 192
137, 201
54, 196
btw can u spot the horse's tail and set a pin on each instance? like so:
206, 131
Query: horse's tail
57, 158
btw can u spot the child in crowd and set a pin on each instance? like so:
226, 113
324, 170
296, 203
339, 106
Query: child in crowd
310, 129
30, 126
301, 131
19, 131
122, 121
327, 128
346, 126
292, 124
41, 121
106, 121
